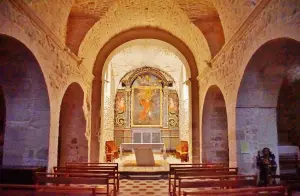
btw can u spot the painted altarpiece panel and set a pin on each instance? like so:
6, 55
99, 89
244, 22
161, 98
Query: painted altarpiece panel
173, 110
146, 106
120, 109
146, 101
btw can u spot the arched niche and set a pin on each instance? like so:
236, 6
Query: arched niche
27, 121
274, 66
214, 128
73, 145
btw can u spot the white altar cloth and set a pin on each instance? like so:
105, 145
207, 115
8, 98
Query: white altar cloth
134, 146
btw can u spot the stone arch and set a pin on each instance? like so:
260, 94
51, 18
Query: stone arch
72, 143
27, 123
256, 109
214, 128
143, 33
2, 122
141, 14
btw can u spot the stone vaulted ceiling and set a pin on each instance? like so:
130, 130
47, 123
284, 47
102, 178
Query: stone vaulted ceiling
195, 9
85, 13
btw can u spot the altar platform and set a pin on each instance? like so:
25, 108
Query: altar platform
128, 167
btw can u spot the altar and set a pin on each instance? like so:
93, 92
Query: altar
143, 152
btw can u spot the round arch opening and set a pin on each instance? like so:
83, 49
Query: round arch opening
143, 33
27, 115
215, 128
263, 105
72, 145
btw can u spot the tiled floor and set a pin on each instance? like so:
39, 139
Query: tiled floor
143, 187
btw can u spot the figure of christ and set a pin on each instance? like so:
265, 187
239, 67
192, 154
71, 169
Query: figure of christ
146, 102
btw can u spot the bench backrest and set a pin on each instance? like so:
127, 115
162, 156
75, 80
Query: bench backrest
67, 178
172, 167
218, 181
71, 168
110, 172
44, 190
91, 164
254, 191
205, 171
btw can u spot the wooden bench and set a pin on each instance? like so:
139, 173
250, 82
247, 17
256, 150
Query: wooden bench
292, 182
253, 191
226, 181
95, 180
289, 165
198, 171
96, 167
110, 170
172, 168
45, 190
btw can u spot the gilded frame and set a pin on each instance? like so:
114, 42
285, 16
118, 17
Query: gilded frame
160, 105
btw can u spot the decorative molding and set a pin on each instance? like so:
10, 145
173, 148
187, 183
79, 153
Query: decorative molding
242, 29
130, 77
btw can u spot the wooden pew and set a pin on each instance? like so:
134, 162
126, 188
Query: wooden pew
253, 191
98, 166
226, 181
45, 190
198, 171
85, 179
172, 168
110, 170
292, 182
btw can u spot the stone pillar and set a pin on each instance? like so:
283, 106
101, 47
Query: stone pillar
165, 107
128, 107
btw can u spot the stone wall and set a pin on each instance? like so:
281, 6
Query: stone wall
59, 67
288, 115
277, 19
73, 145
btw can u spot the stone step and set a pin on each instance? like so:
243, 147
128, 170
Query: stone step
145, 177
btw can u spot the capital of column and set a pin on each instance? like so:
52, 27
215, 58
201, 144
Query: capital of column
127, 89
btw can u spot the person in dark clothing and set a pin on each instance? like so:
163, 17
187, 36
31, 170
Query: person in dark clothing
267, 166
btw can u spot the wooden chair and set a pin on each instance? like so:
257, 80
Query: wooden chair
182, 151
111, 151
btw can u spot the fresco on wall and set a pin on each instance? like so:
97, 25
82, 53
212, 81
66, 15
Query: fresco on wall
147, 80
173, 110
120, 109
146, 106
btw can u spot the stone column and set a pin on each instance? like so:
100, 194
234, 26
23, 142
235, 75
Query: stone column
128, 107
165, 101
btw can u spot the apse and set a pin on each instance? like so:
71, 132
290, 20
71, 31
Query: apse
145, 60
